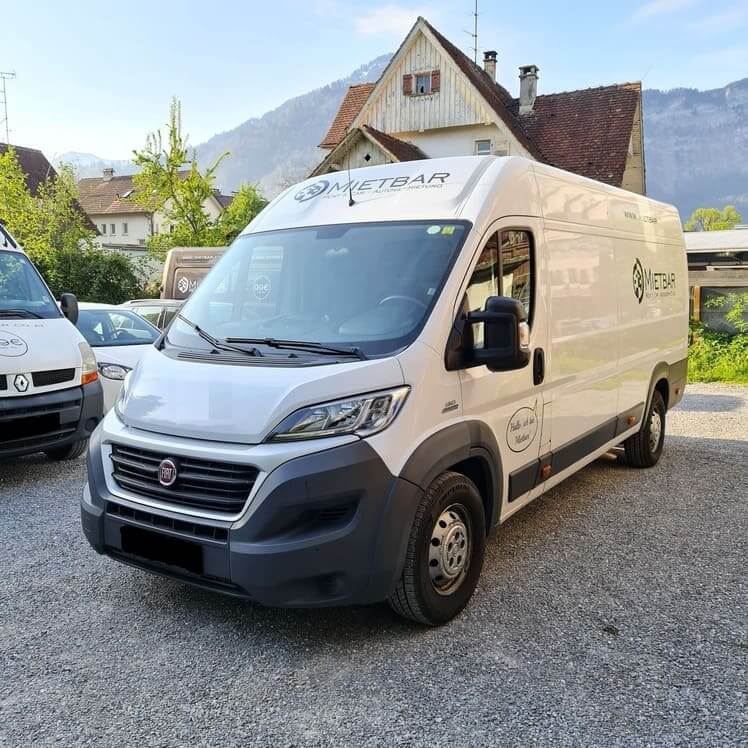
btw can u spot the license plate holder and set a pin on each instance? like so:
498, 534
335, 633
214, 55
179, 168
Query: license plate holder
162, 549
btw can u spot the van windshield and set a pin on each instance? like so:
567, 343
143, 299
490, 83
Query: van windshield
22, 291
370, 286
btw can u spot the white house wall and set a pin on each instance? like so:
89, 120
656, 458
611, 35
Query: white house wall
460, 141
138, 228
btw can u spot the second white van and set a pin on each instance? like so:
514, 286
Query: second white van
385, 366
50, 394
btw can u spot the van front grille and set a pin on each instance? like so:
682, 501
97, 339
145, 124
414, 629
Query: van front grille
38, 419
3, 382
200, 484
53, 376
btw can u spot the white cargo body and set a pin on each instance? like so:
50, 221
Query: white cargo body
383, 367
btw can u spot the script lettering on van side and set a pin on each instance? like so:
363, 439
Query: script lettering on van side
522, 428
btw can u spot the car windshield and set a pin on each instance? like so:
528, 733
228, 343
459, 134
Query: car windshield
22, 291
104, 327
370, 286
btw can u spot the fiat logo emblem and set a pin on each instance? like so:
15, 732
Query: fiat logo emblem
167, 473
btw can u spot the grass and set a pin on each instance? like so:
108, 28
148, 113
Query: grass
716, 357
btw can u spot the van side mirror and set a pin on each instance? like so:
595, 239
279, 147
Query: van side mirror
506, 335
69, 306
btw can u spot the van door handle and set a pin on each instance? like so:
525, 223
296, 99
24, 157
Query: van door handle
538, 366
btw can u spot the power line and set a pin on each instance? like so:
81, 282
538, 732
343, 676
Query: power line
4, 103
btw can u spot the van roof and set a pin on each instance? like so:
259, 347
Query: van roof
464, 188
415, 189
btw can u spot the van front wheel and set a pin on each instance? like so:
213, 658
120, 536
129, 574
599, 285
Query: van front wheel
644, 448
71, 452
445, 552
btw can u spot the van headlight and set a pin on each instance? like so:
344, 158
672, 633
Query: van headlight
89, 369
119, 403
113, 371
364, 415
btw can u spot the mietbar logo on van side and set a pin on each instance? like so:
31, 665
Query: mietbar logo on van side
329, 188
649, 284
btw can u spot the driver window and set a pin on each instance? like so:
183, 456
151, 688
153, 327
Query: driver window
504, 268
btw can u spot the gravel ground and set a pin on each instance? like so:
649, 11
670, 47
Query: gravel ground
611, 611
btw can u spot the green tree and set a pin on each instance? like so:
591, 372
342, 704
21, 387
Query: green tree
56, 235
247, 203
171, 182
713, 219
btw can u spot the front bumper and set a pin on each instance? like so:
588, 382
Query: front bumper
70, 415
329, 528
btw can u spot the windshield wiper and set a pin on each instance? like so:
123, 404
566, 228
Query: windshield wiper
219, 345
304, 345
24, 313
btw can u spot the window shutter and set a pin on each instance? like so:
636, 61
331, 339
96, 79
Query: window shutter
436, 79
408, 85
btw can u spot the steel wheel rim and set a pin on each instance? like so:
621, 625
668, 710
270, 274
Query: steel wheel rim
655, 431
450, 546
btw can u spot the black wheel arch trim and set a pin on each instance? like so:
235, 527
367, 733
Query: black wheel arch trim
675, 375
452, 445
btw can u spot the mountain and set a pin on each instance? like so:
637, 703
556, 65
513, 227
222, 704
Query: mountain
280, 147
696, 147
696, 143
88, 165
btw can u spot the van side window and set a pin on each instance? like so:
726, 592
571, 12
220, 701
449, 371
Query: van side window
516, 267
504, 269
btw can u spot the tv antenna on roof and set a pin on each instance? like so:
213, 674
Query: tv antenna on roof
474, 33
4, 103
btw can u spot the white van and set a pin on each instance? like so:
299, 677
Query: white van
384, 367
50, 396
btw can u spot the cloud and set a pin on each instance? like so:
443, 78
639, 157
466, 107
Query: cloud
390, 20
660, 7
722, 22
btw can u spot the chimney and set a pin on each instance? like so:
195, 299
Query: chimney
528, 88
108, 173
489, 63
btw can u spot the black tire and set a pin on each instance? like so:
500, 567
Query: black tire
71, 452
417, 595
644, 448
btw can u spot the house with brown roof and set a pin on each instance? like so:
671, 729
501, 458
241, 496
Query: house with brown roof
432, 101
36, 169
122, 222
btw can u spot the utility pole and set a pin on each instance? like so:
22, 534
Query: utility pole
4, 103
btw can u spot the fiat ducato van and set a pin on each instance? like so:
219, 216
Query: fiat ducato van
50, 395
382, 368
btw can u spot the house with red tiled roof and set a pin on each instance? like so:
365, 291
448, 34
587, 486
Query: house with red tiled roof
122, 222
432, 100
36, 169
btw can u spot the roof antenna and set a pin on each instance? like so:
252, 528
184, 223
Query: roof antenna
474, 33
351, 201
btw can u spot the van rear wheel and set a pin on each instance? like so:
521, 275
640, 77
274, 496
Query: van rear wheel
445, 552
71, 452
644, 448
